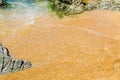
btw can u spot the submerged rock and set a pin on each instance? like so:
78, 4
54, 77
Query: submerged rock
8, 64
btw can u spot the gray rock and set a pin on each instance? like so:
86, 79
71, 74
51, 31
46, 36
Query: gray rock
26, 65
109, 5
7, 68
6, 52
17, 65
8, 64
6, 61
1, 58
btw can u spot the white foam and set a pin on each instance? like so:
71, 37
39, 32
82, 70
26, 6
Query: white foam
24, 12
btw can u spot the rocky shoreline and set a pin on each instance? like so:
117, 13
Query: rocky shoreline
8, 64
78, 6
69, 7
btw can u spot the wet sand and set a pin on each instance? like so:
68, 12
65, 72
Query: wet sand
77, 47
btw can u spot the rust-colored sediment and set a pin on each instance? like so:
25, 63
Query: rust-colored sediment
79, 47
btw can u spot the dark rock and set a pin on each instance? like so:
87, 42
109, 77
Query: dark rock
66, 1
8, 64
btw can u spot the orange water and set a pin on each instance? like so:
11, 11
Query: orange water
78, 47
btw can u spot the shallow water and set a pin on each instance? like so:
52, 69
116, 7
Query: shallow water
20, 16
79, 47
24, 12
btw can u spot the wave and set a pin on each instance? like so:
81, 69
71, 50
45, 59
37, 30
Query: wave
25, 12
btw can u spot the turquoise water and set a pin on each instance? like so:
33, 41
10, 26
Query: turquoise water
21, 9
25, 12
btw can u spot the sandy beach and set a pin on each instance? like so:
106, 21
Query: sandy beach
78, 47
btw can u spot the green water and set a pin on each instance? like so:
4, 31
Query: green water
25, 12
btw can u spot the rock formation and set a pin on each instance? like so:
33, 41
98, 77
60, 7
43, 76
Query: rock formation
70, 6
8, 64
108, 5
79, 6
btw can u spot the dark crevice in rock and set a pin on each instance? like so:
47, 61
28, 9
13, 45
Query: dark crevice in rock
22, 65
12, 66
8, 64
